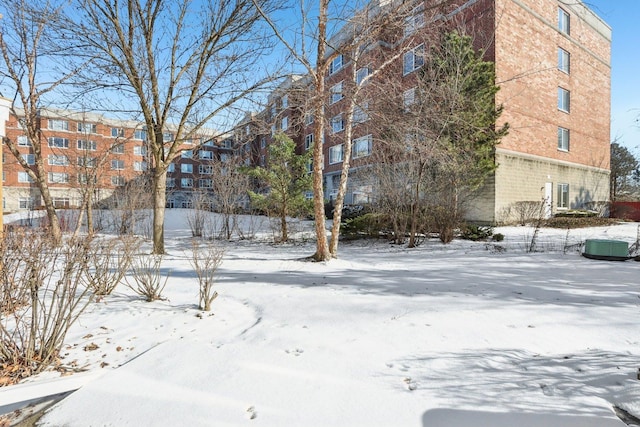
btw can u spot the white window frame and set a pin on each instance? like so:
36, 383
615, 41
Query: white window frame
87, 145
361, 74
25, 203
308, 141
140, 134
336, 64
336, 154
24, 177
171, 168
564, 21
360, 114
58, 177
415, 21
205, 155
118, 148
57, 160
23, 141
117, 165
187, 154
308, 119
117, 180
564, 100
408, 98
58, 124
139, 150
29, 158
362, 147
205, 183
564, 139
171, 182
564, 61
87, 162
87, 127
284, 101
117, 133
186, 182
336, 92
205, 169
337, 123
413, 59
139, 166
58, 142
563, 196
186, 168
284, 123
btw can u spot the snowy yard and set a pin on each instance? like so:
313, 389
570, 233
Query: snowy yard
443, 335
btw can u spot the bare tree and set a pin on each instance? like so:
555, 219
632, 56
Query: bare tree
185, 64
230, 188
34, 66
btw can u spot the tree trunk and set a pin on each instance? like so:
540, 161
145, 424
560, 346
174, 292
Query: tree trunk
283, 228
52, 215
159, 204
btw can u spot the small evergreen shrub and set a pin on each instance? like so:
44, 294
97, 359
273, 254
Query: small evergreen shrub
477, 232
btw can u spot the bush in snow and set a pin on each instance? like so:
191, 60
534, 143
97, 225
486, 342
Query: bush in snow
147, 277
43, 295
205, 260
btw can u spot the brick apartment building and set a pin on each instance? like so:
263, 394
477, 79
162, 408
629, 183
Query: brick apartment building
552, 64
84, 151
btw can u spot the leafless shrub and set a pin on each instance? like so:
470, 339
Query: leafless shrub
52, 277
109, 263
197, 217
205, 260
12, 295
523, 212
147, 277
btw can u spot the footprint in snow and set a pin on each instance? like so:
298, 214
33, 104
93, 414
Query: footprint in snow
296, 352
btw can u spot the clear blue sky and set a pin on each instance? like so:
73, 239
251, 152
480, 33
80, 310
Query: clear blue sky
623, 16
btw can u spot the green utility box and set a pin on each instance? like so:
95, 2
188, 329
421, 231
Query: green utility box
606, 248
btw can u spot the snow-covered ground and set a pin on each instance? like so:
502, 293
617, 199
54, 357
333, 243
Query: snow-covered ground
466, 334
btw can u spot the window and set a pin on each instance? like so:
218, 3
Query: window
563, 100
336, 93
29, 158
25, 203
285, 102
87, 127
308, 141
86, 145
205, 169
117, 165
336, 64
139, 150
563, 196
337, 123
23, 141
117, 181
187, 154
563, 21
167, 136
55, 160
205, 183
563, 139
24, 177
284, 123
274, 110
186, 182
415, 21
563, 60
56, 142
273, 129
84, 178
308, 119
118, 149
171, 182
361, 74
58, 124
206, 155
58, 177
336, 154
87, 162
413, 59
186, 168
224, 157
171, 168
408, 98
360, 114
61, 202
140, 134
209, 143
139, 166
263, 142
117, 132
310, 166
228, 144
361, 147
